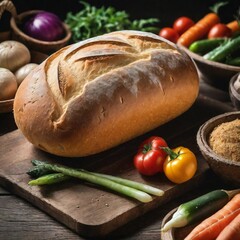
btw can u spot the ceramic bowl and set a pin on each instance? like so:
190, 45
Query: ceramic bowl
234, 94
226, 169
35, 44
214, 73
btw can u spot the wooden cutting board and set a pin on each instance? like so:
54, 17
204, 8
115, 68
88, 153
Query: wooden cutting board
92, 211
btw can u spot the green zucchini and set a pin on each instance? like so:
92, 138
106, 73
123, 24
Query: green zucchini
220, 53
206, 45
199, 208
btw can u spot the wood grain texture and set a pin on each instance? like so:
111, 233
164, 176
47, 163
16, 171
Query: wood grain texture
24, 217
92, 211
21, 220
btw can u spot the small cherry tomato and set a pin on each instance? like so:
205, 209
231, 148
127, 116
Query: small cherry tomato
219, 30
180, 164
150, 157
169, 34
182, 24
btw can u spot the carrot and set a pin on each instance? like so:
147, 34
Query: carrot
211, 227
234, 26
232, 231
199, 30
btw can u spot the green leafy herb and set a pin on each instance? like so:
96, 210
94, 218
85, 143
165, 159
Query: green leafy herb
92, 21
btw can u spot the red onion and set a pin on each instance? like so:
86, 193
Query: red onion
44, 26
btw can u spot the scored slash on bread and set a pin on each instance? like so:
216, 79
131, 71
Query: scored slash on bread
98, 93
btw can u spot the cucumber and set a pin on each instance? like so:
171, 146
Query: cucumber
234, 61
206, 45
199, 208
220, 53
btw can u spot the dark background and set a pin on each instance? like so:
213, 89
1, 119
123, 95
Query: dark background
165, 10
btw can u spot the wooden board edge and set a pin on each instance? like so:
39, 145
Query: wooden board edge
102, 230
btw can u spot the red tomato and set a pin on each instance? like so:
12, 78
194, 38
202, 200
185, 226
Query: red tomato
150, 157
219, 30
169, 34
182, 24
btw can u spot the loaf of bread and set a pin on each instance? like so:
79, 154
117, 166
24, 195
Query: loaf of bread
98, 93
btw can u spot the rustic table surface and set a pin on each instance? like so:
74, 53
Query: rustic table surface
21, 220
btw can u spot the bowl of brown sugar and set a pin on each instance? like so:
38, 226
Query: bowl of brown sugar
219, 142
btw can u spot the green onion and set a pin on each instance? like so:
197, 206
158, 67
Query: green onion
92, 178
49, 179
37, 162
140, 186
38, 171
220, 53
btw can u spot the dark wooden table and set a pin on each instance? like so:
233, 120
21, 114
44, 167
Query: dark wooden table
20, 220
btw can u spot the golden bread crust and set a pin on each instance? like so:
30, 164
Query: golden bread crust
98, 93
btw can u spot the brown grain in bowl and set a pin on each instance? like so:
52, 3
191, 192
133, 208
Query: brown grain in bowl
226, 169
224, 140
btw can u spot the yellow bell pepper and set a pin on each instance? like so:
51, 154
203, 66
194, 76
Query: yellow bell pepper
180, 164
